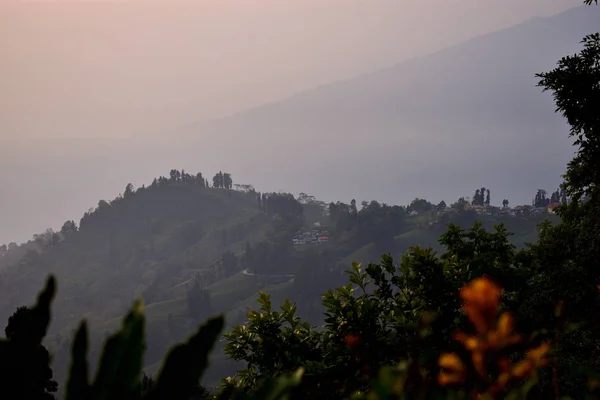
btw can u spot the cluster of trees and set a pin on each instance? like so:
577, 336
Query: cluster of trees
222, 180
175, 176
279, 203
422, 205
481, 197
540, 199
374, 222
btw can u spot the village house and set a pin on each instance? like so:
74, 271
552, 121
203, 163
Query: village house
552, 207
313, 236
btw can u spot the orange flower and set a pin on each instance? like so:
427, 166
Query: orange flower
352, 340
494, 333
481, 300
503, 336
452, 369
535, 358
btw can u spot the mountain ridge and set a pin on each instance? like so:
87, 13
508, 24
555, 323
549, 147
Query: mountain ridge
385, 69
426, 122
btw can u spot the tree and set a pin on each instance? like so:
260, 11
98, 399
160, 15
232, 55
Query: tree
563, 197
218, 180
476, 197
200, 179
128, 190
353, 209
460, 204
576, 92
175, 175
420, 205
564, 260
540, 199
25, 370
227, 181
487, 197
68, 228
367, 321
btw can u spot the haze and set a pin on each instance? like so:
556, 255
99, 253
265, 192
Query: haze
90, 92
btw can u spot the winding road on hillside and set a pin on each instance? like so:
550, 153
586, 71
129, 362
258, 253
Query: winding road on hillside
290, 276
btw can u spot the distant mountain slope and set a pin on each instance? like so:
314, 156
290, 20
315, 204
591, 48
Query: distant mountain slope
137, 245
434, 126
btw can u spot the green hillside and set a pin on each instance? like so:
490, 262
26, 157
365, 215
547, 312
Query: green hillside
190, 251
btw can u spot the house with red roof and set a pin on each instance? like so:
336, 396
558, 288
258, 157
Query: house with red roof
552, 207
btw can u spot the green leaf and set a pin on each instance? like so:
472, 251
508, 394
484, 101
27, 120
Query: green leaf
186, 362
280, 388
120, 367
41, 311
77, 384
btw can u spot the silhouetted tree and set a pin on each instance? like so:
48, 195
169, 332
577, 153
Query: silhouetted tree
476, 197
25, 372
218, 180
227, 181
540, 199
175, 175
128, 190
420, 205
460, 205
68, 228
199, 179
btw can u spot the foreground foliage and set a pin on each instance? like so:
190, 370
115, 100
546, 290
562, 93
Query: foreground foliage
119, 373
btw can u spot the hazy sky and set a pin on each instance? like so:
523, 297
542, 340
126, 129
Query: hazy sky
116, 68
113, 69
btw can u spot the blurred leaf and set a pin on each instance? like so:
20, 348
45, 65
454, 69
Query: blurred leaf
78, 384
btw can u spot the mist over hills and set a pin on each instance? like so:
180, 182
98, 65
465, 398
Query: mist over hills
432, 127
429, 127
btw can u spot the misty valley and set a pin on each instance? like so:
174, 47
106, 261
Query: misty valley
196, 285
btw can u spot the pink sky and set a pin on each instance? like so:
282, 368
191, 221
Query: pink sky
121, 67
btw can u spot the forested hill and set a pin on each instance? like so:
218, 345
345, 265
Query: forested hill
191, 248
